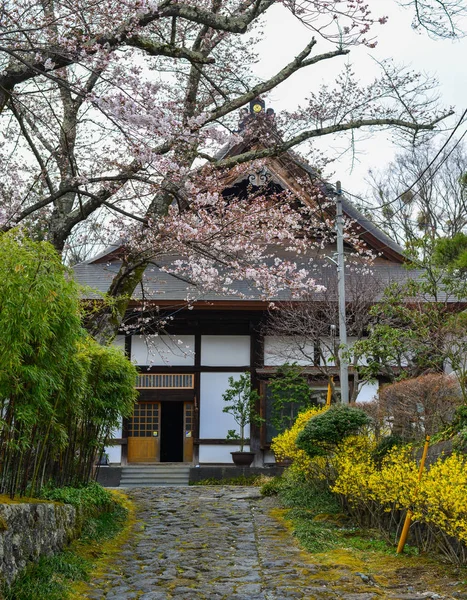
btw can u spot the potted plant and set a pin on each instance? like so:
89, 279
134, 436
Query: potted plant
241, 401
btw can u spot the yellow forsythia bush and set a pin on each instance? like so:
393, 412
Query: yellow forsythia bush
392, 485
353, 465
379, 494
439, 499
284, 446
442, 496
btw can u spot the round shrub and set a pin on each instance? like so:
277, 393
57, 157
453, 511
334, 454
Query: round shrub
325, 431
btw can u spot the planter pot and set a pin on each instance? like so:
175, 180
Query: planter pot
243, 459
284, 462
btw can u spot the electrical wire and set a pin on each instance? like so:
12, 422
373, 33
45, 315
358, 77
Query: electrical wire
427, 168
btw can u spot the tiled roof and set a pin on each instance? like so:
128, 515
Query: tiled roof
159, 286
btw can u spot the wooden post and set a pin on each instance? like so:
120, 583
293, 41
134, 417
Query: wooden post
329, 396
408, 518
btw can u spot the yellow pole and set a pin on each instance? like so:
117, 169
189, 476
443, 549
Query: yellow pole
329, 396
408, 518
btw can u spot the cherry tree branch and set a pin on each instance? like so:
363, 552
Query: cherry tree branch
282, 147
298, 63
59, 57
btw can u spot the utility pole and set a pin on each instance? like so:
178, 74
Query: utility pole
344, 368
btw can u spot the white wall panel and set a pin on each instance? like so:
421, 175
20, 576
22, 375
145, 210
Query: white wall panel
367, 392
115, 454
218, 453
225, 350
119, 341
279, 350
163, 350
213, 422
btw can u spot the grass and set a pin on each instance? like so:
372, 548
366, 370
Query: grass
58, 577
315, 518
241, 480
342, 551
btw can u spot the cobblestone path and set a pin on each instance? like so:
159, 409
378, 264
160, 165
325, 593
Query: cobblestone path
194, 543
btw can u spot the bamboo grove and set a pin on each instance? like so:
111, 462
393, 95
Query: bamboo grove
61, 394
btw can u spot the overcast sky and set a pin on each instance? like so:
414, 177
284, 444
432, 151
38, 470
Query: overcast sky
446, 59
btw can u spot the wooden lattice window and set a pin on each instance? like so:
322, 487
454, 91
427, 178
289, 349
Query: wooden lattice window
145, 420
164, 381
189, 416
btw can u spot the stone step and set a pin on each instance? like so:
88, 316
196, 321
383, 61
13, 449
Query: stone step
151, 485
155, 468
155, 475
143, 478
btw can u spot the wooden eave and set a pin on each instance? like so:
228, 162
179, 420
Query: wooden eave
286, 170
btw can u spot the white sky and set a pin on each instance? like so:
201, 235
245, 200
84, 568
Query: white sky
446, 59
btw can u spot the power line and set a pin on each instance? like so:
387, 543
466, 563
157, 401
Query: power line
430, 164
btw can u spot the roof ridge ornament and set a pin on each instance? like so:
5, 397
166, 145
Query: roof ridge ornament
257, 109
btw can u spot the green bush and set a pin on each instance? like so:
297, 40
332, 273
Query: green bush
290, 395
327, 430
272, 487
87, 498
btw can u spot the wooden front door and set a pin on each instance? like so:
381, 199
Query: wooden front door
144, 433
188, 426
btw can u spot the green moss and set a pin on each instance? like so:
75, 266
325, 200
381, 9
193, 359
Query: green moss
61, 576
313, 516
241, 480
3, 524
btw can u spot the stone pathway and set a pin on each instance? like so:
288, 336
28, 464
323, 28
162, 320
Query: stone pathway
196, 543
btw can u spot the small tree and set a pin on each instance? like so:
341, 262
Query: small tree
290, 394
241, 402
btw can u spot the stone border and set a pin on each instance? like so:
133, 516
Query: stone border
31, 530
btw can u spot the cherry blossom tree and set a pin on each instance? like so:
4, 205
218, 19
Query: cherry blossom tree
113, 114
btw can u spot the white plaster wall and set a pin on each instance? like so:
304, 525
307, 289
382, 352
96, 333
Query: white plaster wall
119, 341
279, 350
115, 452
367, 392
218, 453
163, 350
325, 346
213, 422
225, 350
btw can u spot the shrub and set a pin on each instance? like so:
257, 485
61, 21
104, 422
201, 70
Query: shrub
88, 497
324, 432
241, 402
272, 487
413, 408
284, 446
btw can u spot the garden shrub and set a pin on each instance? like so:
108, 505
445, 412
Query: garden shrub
284, 445
87, 497
377, 481
290, 395
413, 408
324, 432
380, 496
